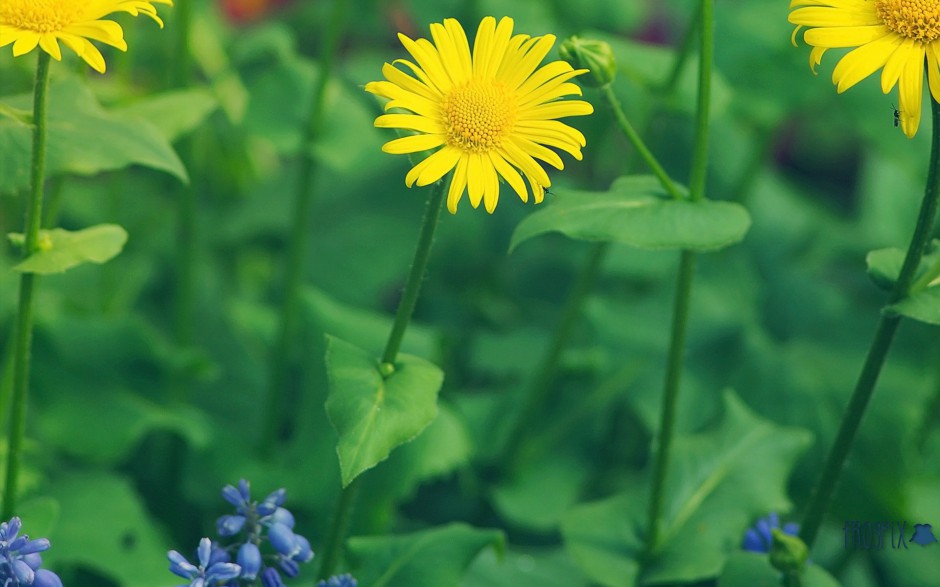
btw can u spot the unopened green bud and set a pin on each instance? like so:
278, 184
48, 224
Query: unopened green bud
788, 553
596, 56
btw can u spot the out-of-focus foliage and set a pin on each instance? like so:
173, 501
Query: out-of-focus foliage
782, 317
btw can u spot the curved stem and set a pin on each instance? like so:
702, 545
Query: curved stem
415, 277
276, 413
540, 385
680, 318
24, 318
339, 527
343, 510
686, 274
878, 352
638, 143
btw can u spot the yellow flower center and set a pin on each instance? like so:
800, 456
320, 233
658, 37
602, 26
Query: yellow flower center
478, 114
41, 16
914, 19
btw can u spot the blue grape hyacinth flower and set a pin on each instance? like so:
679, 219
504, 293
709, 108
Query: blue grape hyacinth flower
20, 559
214, 566
338, 581
759, 538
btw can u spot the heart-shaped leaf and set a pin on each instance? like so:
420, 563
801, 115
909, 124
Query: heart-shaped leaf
636, 211
884, 266
63, 249
373, 413
719, 482
430, 558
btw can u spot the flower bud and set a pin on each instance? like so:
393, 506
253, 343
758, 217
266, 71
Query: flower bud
788, 553
596, 56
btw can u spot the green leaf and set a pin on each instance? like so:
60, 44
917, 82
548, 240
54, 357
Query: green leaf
923, 306
62, 249
174, 114
636, 211
719, 482
749, 569
372, 414
430, 558
82, 138
104, 525
524, 569
884, 267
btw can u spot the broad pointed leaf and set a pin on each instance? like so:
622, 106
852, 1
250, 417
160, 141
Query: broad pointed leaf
374, 414
430, 558
719, 482
82, 138
636, 211
176, 113
62, 249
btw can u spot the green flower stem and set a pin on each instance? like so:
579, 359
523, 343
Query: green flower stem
638, 143
684, 278
276, 410
180, 72
878, 352
339, 527
343, 511
540, 385
24, 317
682, 56
413, 286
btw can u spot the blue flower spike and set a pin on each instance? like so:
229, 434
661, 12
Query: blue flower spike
20, 559
213, 568
338, 581
760, 537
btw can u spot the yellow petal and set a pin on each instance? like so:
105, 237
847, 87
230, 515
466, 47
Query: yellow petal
413, 144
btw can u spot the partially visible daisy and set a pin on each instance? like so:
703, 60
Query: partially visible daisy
490, 114
896, 35
43, 23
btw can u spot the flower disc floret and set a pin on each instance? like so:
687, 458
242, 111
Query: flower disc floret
899, 37
491, 113
27, 24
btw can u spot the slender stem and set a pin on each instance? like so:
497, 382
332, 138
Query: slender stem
878, 352
680, 316
276, 413
413, 287
684, 278
706, 58
540, 385
24, 317
339, 527
347, 498
186, 210
638, 143
682, 56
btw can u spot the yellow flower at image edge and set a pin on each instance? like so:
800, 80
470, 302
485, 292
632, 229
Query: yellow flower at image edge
43, 23
492, 112
895, 36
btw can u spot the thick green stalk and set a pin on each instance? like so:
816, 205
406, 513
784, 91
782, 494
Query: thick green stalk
878, 352
684, 278
24, 317
276, 412
342, 513
638, 143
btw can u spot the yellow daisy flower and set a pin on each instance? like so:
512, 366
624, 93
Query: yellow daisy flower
491, 112
31, 23
896, 35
